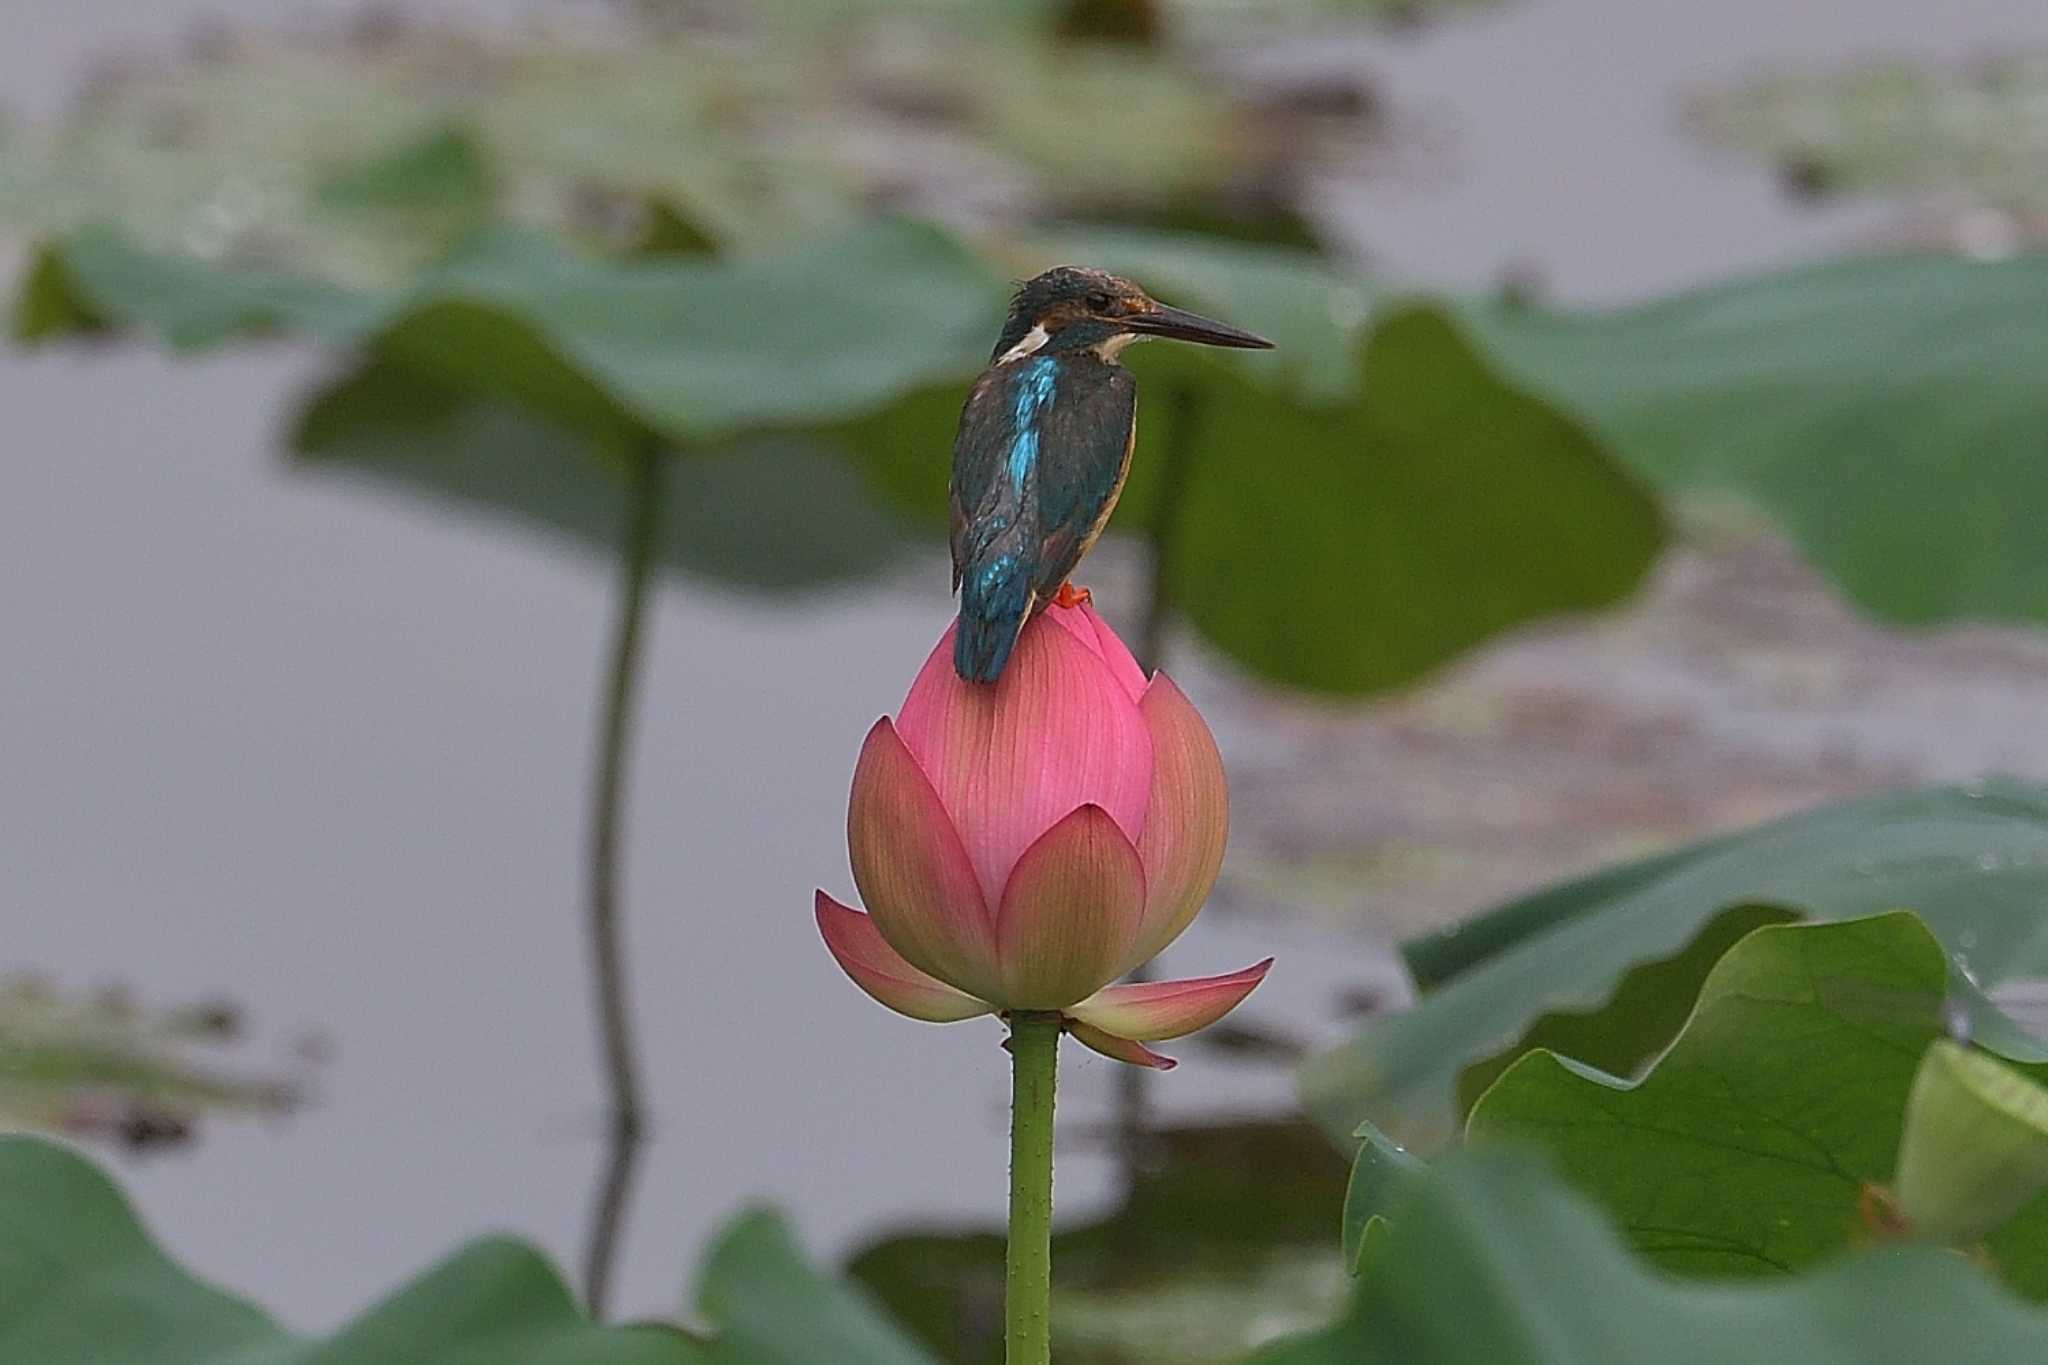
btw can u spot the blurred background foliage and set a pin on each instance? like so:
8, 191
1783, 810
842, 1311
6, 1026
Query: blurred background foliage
477, 234
358, 155
84, 1284
1972, 132
105, 1066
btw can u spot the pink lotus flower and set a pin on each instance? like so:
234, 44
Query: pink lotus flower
1020, 845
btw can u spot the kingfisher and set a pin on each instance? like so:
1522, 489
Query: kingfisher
1044, 444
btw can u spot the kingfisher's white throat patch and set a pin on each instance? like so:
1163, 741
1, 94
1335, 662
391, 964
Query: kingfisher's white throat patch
1109, 348
1031, 341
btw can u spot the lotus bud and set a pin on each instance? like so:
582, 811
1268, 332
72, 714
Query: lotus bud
1020, 845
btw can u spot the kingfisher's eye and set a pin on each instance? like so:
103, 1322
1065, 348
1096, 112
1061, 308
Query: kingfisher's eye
1100, 301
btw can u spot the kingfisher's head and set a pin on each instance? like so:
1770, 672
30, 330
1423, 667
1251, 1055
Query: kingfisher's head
1071, 308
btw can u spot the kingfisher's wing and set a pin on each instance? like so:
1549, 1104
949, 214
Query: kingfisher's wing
979, 491
1084, 451
1037, 464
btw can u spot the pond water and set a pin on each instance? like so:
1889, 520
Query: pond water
283, 739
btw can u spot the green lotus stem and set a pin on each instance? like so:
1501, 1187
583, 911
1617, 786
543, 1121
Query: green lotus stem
1027, 1304
607, 823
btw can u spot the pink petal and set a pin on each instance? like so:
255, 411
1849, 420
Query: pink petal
1153, 1011
1187, 820
875, 968
1055, 732
913, 872
1070, 912
1091, 630
1120, 1049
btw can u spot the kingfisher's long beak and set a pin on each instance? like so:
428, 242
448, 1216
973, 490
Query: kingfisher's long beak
1180, 325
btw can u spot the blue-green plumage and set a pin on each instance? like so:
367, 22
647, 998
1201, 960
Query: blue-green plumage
1043, 447
1041, 455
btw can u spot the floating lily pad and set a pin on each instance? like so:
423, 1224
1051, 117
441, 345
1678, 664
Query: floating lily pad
268, 146
104, 1067
1973, 127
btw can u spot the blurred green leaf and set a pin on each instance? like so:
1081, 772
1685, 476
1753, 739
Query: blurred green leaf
689, 349
510, 377
1442, 954
751, 127
1381, 1175
1354, 548
82, 1284
46, 304
770, 512
668, 233
771, 1307
1375, 477
1885, 410
1197, 215
1493, 1260
1747, 1148
944, 1285
1972, 862
1228, 17
442, 170
1341, 528
98, 278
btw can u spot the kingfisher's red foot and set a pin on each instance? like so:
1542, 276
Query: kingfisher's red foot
1070, 596
1880, 1215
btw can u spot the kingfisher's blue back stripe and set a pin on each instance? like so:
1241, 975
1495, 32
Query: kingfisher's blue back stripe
1023, 454
997, 569
1034, 385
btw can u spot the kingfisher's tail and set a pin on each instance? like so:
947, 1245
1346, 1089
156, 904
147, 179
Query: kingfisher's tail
995, 599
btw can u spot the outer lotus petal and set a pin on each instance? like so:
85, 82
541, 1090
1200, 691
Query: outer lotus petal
1187, 821
913, 873
1091, 630
1152, 1011
865, 956
1055, 732
1120, 1049
1070, 912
